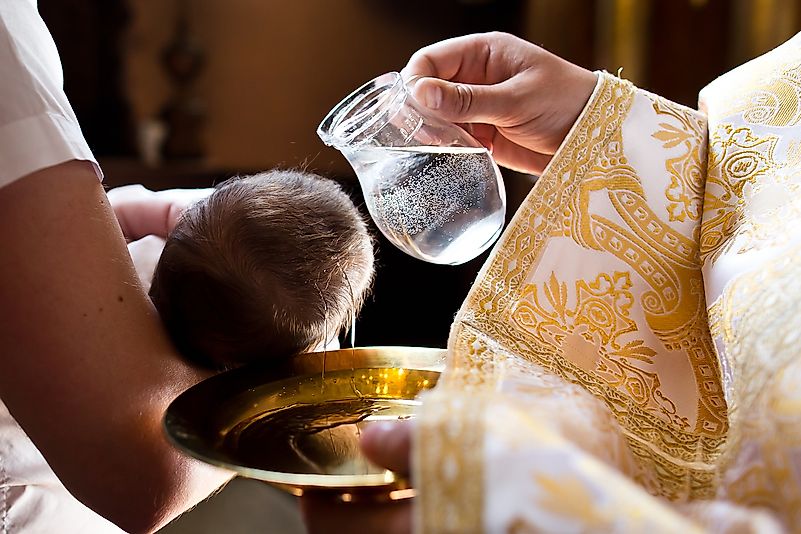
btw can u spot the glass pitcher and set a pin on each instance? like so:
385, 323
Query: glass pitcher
432, 189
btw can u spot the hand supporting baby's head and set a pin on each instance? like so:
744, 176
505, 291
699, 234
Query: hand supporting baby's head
269, 265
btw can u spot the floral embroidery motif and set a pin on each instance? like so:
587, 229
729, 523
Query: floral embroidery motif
737, 157
600, 314
686, 189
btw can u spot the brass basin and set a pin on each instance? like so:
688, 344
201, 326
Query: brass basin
296, 425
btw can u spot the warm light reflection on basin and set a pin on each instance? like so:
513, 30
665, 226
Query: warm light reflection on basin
297, 425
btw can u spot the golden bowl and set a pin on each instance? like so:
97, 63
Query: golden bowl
296, 425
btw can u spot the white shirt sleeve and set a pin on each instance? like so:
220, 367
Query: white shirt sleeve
38, 128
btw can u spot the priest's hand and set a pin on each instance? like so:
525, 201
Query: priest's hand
388, 445
516, 98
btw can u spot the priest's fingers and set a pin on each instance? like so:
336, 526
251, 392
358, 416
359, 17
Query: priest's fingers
460, 58
517, 158
509, 154
462, 102
388, 445
531, 96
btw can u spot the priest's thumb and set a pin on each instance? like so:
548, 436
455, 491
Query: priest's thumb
388, 444
462, 102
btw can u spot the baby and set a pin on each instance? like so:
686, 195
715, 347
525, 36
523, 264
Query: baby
261, 266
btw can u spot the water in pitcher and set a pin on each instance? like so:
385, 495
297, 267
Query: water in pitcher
440, 204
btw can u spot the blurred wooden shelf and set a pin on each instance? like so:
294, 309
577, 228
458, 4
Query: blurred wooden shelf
170, 174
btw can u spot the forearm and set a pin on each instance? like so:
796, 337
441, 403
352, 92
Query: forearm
142, 212
87, 369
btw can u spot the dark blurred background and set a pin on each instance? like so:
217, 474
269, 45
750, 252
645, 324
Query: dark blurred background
184, 93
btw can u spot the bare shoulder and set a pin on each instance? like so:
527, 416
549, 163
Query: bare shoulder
87, 369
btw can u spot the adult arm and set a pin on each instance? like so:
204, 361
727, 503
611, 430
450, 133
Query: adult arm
87, 369
146, 218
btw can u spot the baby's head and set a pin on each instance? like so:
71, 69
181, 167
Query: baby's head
269, 265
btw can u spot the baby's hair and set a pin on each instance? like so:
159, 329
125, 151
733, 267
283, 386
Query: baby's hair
269, 265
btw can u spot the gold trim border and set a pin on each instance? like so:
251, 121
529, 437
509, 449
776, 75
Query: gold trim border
447, 463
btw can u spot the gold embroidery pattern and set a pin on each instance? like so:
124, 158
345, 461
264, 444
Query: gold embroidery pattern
600, 316
667, 456
685, 192
568, 490
667, 260
451, 427
768, 93
471, 364
534, 221
737, 158
757, 321
676, 452
760, 232
769, 97
448, 468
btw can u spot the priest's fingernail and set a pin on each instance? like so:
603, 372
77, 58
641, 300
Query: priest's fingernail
378, 433
431, 95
